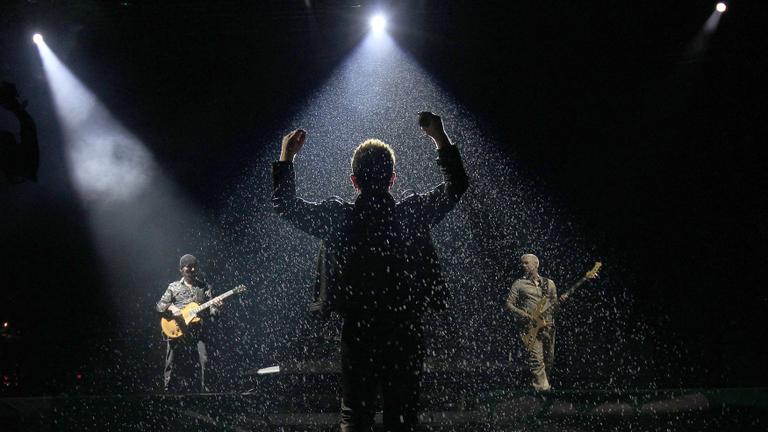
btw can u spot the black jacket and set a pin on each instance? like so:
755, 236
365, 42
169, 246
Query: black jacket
376, 255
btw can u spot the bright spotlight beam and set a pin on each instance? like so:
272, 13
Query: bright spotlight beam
378, 23
700, 42
37, 38
106, 160
127, 198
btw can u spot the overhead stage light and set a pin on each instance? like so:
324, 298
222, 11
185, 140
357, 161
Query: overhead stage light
721, 7
37, 38
378, 23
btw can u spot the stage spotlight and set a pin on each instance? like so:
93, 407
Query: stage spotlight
378, 23
721, 7
37, 38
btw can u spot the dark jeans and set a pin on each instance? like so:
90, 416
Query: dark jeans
380, 353
185, 362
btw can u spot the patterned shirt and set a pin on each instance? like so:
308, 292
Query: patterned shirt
180, 295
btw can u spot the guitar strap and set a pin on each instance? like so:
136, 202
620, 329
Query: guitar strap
545, 293
544, 287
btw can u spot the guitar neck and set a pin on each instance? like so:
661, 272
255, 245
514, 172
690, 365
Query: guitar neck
573, 287
568, 293
590, 275
208, 304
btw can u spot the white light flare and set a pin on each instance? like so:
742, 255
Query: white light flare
378, 23
721, 7
268, 370
37, 38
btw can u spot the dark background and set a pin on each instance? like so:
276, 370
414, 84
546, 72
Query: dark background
653, 147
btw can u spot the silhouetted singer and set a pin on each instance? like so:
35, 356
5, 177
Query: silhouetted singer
378, 269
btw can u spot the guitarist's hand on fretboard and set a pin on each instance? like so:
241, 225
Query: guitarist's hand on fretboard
216, 305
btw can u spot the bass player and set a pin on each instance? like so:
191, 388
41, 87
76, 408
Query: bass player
526, 294
533, 299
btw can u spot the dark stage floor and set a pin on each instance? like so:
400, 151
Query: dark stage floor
744, 409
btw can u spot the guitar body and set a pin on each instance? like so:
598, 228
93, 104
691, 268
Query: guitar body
537, 322
530, 335
174, 327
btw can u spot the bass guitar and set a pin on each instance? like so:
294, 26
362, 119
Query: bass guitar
174, 327
537, 322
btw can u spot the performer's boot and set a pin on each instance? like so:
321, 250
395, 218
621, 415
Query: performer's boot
540, 382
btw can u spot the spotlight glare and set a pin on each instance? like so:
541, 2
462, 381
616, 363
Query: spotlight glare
721, 7
37, 38
378, 23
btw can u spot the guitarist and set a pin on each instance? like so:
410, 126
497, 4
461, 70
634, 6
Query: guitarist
525, 296
186, 357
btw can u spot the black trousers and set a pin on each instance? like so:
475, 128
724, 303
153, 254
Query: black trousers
185, 361
384, 354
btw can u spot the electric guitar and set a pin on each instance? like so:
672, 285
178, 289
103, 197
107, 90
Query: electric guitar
174, 327
537, 322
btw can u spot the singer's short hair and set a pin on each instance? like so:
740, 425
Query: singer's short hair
533, 257
373, 163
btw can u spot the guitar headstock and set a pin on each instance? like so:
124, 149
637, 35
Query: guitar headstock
238, 289
595, 270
